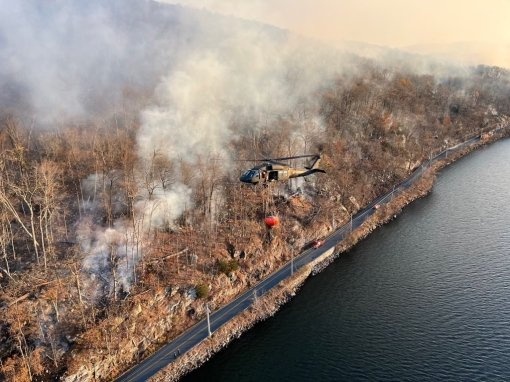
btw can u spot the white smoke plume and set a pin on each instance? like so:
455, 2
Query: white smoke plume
249, 78
164, 207
212, 77
238, 73
112, 254
109, 252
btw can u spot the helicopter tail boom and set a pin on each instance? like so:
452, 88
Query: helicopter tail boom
312, 171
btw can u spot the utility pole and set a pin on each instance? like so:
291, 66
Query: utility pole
292, 263
209, 334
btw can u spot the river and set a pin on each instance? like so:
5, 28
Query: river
424, 298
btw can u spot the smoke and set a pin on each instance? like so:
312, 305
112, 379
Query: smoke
164, 207
435, 25
72, 59
239, 76
113, 253
207, 73
68, 59
211, 79
49, 53
109, 252
246, 79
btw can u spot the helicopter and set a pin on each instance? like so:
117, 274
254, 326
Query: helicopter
273, 170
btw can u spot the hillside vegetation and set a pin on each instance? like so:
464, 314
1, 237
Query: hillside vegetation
110, 246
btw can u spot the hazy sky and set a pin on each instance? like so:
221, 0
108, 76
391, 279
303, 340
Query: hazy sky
392, 23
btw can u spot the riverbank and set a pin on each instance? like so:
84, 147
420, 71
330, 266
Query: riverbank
266, 305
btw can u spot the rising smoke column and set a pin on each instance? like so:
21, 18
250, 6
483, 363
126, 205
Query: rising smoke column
212, 72
113, 253
252, 74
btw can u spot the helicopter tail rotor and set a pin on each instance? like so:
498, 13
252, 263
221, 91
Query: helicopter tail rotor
315, 163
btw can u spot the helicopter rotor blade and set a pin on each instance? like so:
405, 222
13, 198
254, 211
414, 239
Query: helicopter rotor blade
296, 157
273, 160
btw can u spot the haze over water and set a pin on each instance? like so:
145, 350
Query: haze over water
424, 298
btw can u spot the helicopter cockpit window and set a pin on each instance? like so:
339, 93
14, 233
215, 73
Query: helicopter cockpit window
249, 174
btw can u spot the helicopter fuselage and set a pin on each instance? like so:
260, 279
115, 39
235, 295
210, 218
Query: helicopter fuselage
273, 171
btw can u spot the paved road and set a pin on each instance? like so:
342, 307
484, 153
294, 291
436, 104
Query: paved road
199, 332
196, 334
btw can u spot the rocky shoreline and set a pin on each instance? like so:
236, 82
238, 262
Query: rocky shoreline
268, 304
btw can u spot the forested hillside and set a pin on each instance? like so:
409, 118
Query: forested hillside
122, 212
